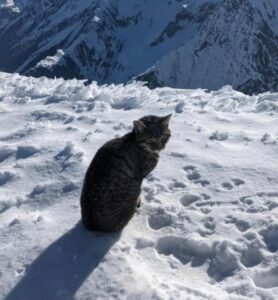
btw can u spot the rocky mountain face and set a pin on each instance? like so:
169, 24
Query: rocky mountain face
177, 43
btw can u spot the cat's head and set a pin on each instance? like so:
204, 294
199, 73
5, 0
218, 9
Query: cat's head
152, 133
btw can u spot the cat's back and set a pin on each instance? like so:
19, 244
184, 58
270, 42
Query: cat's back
108, 157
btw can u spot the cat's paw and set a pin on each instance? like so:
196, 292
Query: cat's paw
140, 201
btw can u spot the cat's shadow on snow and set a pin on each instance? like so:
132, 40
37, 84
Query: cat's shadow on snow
62, 268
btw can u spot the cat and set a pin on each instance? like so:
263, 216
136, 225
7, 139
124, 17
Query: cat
112, 184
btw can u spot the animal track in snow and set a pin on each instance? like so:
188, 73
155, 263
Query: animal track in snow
227, 185
24, 152
203, 182
152, 178
209, 226
259, 202
178, 155
194, 175
142, 243
42, 115
86, 120
160, 219
267, 139
238, 181
122, 126
69, 187
68, 156
177, 185
37, 190
219, 269
42, 188
241, 225
270, 236
5, 153
189, 168
188, 199
219, 136
251, 256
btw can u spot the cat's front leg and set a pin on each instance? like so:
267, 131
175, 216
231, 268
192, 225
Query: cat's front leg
139, 201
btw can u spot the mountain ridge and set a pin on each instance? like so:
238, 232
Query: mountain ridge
184, 44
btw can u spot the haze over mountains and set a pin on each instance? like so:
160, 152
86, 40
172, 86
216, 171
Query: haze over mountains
182, 44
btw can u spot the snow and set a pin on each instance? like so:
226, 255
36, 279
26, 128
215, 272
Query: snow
207, 228
51, 61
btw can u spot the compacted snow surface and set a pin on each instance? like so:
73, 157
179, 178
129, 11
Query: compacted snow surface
208, 226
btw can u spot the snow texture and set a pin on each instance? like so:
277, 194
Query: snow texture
207, 228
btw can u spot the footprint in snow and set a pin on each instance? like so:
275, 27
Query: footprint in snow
227, 185
178, 154
122, 126
194, 175
189, 199
43, 115
160, 219
42, 188
251, 256
241, 225
37, 190
152, 178
177, 185
238, 181
198, 252
189, 168
270, 236
259, 202
219, 136
68, 157
208, 228
24, 152
5, 153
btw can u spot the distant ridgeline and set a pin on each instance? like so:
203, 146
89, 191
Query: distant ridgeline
177, 43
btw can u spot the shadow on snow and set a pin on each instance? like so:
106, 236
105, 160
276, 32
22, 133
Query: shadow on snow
62, 268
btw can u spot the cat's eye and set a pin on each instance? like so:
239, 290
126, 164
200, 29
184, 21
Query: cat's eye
150, 142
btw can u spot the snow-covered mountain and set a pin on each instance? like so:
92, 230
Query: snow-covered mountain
208, 227
178, 43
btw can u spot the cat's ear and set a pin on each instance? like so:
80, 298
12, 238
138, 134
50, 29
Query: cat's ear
138, 126
165, 120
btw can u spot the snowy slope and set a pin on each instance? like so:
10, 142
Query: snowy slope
207, 229
183, 44
234, 45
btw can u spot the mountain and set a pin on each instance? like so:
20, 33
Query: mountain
177, 43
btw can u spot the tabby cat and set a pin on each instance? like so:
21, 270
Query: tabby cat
113, 180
